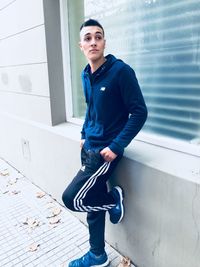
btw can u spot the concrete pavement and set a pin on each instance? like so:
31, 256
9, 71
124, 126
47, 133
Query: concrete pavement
35, 230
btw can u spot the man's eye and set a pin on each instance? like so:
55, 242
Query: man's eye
98, 37
87, 39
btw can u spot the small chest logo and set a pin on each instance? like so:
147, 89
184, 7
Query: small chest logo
103, 88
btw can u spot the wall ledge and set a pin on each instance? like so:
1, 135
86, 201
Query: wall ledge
179, 164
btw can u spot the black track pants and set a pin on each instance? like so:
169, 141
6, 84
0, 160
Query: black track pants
88, 192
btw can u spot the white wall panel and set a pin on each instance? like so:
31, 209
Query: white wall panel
26, 106
19, 16
25, 48
28, 79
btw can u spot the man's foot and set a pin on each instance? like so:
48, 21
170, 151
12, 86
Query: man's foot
90, 260
117, 212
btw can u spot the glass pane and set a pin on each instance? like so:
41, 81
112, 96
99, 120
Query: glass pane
160, 39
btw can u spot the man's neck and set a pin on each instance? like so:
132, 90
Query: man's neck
94, 65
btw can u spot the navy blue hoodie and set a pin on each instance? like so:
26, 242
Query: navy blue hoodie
116, 110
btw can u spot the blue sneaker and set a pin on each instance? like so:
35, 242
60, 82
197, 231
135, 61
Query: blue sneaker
90, 260
117, 212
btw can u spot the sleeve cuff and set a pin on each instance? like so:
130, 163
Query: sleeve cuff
117, 149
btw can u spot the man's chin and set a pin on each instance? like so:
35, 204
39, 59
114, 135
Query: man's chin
94, 57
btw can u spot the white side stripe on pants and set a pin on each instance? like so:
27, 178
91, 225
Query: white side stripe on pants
78, 200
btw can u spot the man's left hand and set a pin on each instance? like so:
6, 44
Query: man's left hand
107, 154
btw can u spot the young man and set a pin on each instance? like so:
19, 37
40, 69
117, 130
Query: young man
116, 112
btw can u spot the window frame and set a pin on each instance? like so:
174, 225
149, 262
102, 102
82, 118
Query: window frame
64, 18
153, 139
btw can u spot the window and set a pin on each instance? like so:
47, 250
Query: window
160, 39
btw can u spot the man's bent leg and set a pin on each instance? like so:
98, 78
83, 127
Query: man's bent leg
88, 190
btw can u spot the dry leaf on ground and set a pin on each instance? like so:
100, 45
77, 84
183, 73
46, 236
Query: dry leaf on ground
54, 220
33, 247
5, 191
12, 181
31, 222
4, 173
15, 192
40, 194
125, 262
54, 212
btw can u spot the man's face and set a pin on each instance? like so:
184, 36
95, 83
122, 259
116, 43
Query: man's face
92, 42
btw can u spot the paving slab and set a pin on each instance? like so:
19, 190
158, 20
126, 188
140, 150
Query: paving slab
35, 230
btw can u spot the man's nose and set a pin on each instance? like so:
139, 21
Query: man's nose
93, 42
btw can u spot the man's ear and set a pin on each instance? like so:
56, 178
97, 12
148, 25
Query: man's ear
80, 45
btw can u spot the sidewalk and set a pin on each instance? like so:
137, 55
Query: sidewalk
35, 230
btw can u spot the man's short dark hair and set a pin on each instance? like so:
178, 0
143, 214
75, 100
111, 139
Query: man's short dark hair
91, 22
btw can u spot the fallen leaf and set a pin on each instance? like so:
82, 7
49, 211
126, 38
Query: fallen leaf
54, 220
12, 181
125, 262
4, 173
15, 192
40, 194
54, 212
33, 247
5, 191
31, 222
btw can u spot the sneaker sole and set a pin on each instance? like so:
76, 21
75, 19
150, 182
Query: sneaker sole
121, 200
102, 265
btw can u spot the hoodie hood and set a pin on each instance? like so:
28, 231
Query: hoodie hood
86, 74
110, 60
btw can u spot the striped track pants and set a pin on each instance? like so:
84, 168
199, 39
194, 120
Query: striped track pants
88, 193
88, 190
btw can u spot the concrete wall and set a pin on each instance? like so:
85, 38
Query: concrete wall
24, 87
162, 223
162, 186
